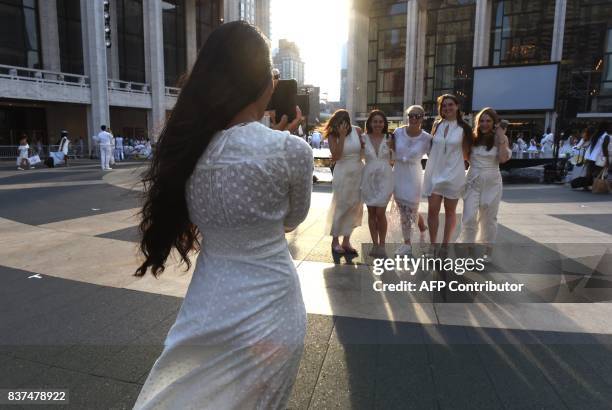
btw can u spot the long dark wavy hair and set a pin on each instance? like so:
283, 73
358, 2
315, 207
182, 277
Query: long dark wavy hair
233, 70
337, 119
373, 114
480, 138
467, 130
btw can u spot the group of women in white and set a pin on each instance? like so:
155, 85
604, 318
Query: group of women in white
392, 168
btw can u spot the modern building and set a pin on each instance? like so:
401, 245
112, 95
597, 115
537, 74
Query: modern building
287, 60
404, 52
58, 72
344, 75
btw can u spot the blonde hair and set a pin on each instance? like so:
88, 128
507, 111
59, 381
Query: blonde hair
415, 108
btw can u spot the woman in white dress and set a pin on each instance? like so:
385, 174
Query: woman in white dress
411, 144
346, 210
484, 182
444, 179
23, 161
377, 179
221, 179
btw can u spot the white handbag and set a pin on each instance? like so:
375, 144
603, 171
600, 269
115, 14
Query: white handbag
34, 159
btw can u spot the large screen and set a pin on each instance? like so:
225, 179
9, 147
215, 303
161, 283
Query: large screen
515, 88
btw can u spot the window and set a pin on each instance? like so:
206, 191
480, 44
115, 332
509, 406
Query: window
386, 56
521, 31
19, 33
175, 49
70, 36
207, 19
449, 52
585, 77
130, 35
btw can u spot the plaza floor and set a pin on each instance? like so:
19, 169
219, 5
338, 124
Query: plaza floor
74, 317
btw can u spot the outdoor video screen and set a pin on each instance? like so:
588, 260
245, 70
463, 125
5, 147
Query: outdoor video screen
530, 87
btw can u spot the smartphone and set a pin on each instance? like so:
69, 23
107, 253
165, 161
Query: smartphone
284, 99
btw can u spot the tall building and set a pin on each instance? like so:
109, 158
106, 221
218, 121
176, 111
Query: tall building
287, 60
56, 71
344, 75
403, 52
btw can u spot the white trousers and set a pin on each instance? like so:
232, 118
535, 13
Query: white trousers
480, 205
105, 156
119, 155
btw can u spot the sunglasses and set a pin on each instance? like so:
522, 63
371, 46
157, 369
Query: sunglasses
415, 116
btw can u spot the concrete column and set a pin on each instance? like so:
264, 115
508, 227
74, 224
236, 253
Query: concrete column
154, 65
49, 35
191, 35
231, 10
421, 48
96, 66
482, 33
558, 31
412, 41
357, 57
112, 54
556, 52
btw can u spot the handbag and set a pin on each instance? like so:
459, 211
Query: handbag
600, 185
34, 159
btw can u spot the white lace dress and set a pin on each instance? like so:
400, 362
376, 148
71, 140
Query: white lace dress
377, 179
238, 337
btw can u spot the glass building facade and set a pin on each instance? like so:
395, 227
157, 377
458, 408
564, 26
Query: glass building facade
175, 47
521, 31
387, 56
20, 33
449, 52
208, 17
70, 36
585, 83
130, 36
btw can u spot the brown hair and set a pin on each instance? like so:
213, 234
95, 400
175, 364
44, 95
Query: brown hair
467, 130
373, 114
488, 139
337, 119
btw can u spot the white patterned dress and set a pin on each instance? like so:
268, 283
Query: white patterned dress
238, 337
377, 179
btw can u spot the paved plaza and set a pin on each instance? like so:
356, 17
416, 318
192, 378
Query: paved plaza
74, 317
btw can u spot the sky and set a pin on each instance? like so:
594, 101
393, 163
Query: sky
320, 29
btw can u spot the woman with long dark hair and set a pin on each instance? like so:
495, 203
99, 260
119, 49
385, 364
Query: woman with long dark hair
377, 179
224, 184
444, 178
484, 182
346, 209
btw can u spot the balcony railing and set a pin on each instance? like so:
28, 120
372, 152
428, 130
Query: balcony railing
172, 91
43, 76
129, 87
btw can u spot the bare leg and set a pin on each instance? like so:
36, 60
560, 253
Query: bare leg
435, 202
373, 224
346, 242
381, 217
421, 222
450, 209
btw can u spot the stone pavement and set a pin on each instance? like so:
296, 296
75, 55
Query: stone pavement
89, 326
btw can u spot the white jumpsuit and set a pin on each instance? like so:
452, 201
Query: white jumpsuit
408, 175
238, 338
482, 196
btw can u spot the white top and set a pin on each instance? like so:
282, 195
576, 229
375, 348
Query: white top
445, 170
23, 151
250, 183
481, 158
595, 151
408, 171
104, 138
